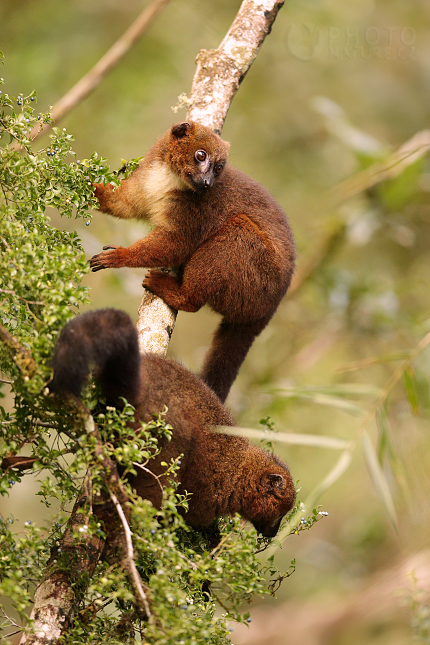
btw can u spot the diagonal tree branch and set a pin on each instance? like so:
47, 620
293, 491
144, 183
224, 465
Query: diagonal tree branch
71, 566
128, 558
221, 71
57, 597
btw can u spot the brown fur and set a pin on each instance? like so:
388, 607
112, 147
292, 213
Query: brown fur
226, 235
224, 474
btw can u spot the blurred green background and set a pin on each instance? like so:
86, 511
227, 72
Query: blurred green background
337, 87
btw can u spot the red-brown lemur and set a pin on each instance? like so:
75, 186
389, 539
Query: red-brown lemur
225, 474
224, 233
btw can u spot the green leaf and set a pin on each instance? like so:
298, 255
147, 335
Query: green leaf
331, 478
384, 445
378, 478
411, 389
321, 397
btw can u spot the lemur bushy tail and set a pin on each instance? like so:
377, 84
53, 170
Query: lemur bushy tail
107, 340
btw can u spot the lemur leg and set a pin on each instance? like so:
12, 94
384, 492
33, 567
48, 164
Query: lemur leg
183, 296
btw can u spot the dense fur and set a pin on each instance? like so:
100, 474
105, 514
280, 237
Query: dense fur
225, 474
228, 238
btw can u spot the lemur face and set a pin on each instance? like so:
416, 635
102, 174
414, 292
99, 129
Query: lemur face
197, 155
272, 499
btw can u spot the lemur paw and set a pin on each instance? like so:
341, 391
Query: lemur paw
103, 193
157, 281
108, 260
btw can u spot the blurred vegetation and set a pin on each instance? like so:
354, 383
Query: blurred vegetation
337, 88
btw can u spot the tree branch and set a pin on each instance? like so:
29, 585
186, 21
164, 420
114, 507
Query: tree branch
71, 565
57, 596
221, 71
128, 559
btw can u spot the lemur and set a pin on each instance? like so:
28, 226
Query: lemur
224, 233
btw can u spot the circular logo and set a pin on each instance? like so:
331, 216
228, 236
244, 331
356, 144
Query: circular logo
304, 41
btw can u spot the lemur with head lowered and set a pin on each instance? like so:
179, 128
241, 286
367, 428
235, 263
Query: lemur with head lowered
224, 233
225, 474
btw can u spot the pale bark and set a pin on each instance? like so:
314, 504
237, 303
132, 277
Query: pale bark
220, 71
55, 599
155, 323
69, 569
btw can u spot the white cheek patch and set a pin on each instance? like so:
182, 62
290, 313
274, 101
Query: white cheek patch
158, 182
205, 166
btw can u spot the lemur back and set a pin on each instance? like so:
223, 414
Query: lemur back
224, 474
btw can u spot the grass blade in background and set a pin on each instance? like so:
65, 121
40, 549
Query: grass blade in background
293, 438
378, 478
315, 395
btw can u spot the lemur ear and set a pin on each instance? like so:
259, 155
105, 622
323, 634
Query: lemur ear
180, 129
273, 481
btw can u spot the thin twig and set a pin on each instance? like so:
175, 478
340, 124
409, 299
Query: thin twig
18, 143
12, 622
13, 293
129, 560
45, 424
220, 544
408, 153
328, 241
156, 477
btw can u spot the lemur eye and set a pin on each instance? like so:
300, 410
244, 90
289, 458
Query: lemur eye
218, 168
200, 155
